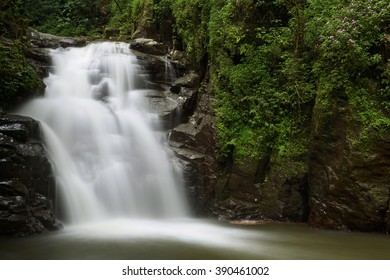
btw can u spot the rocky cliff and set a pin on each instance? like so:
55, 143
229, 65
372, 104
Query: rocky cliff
348, 180
27, 186
338, 182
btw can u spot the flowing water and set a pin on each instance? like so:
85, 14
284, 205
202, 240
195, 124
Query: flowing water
120, 197
109, 163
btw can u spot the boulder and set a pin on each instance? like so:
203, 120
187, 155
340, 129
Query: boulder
44, 40
148, 46
160, 72
27, 185
172, 109
189, 80
161, 75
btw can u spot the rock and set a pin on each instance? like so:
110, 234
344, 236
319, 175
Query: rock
146, 28
160, 71
175, 89
194, 145
179, 57
190, 80
39, 58
161, 74
261, 189
148, 46
17, 131
349, 183
26, 181
387, 229
44, 40
172, 109
37, 51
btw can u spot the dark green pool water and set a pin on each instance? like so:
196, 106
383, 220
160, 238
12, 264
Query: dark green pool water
195, 239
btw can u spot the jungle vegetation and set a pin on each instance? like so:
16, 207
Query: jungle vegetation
270, 61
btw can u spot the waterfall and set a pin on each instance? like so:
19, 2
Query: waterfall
108, 162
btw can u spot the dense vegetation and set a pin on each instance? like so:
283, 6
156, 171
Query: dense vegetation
271, 61
17, 76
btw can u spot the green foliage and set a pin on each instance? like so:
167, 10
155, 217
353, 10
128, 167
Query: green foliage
263, 87
162, 10
13, 18
267, 85
67, 17
344, 35
127, 14
121, 16
17, 77
191, 23
351, 44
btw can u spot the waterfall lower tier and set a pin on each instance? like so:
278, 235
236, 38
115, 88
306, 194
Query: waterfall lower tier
108, 162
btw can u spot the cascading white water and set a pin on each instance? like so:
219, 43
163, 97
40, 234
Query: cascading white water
108, 161
115, 179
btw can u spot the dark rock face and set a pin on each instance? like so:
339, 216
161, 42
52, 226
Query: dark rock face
194, 145
26, 182
161, 76
349, 183
242, 192
230, 191
338, 184
39, 58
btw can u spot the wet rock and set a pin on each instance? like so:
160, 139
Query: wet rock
26, 181
17, 131
172, 109
13, 188
190, 80
39, 58
160, 72
175, 89
194, 145
37, 51
233, 209
44, 40
148, 46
